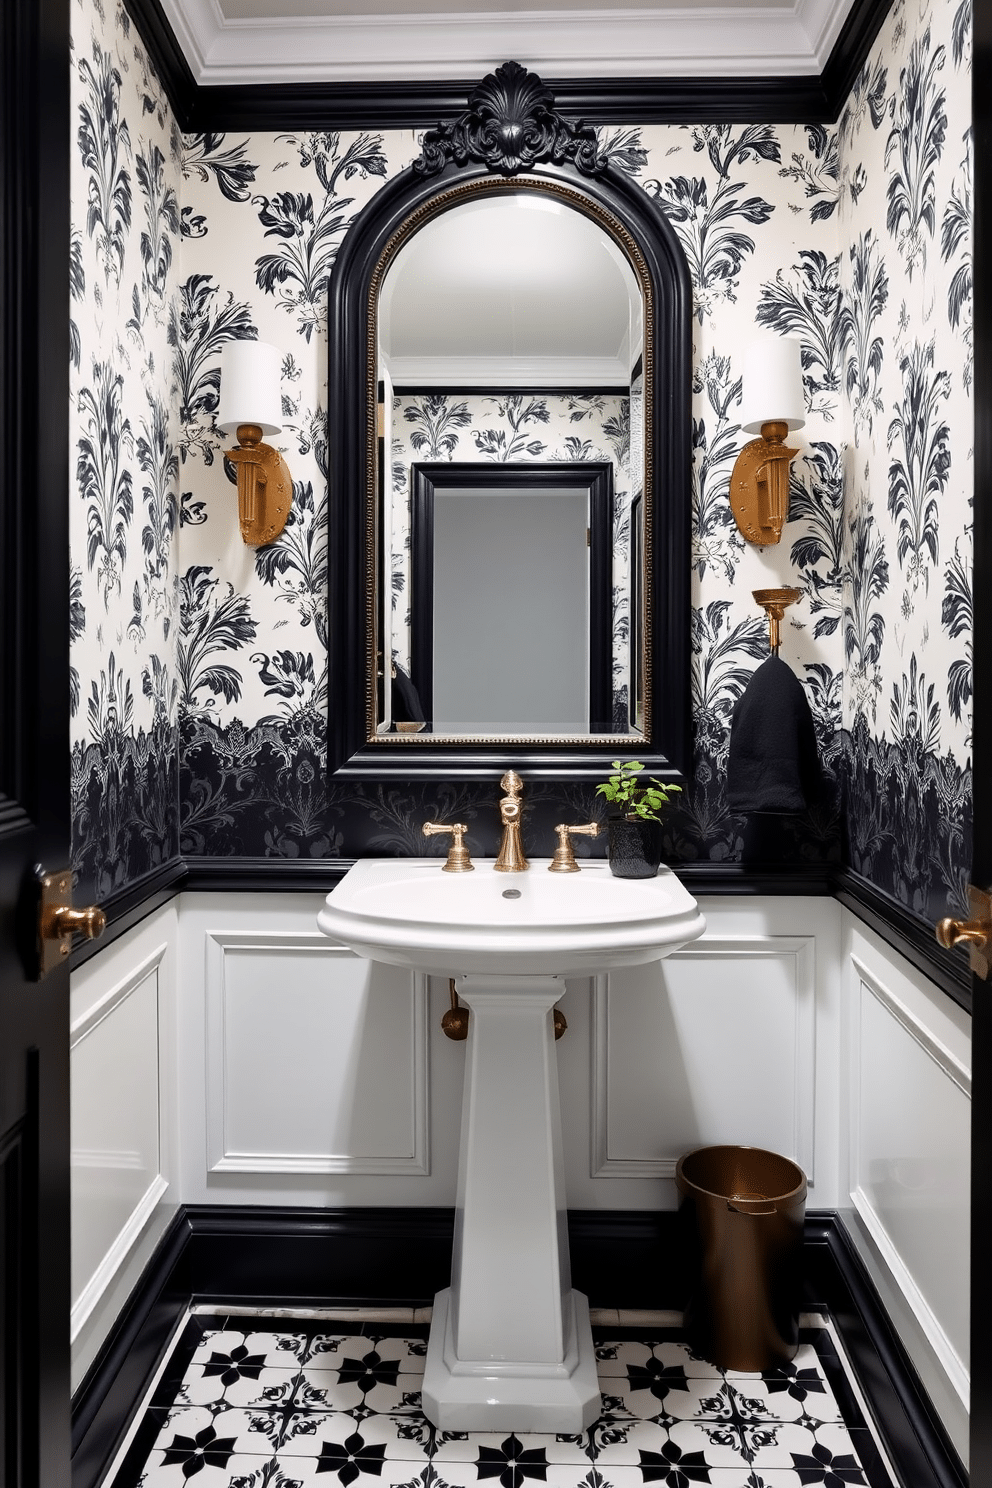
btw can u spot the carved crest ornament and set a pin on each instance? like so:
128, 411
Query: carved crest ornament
510, 125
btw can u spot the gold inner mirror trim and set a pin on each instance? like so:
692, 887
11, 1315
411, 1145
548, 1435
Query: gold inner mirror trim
443, 202
579, 740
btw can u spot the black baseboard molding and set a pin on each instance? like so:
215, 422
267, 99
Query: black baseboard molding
116, 1382
419, 105
229, 1256
837, 1280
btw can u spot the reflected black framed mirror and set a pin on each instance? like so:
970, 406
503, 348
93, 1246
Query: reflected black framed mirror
512, 298
510, 598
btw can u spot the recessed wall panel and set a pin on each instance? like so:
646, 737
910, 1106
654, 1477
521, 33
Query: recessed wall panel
715, 1044
315, 1059
116, 1156
910, 1162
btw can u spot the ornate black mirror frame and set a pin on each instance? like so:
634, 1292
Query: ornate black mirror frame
510, 138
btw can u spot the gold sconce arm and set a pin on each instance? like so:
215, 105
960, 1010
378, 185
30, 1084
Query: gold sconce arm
265, 487
759, 485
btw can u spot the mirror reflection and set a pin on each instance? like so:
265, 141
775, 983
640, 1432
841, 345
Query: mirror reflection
510, 365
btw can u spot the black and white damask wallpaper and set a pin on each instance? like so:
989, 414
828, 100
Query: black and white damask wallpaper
854, 238
124, 428
904, 328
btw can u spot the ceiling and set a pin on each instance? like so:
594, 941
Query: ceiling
353, 41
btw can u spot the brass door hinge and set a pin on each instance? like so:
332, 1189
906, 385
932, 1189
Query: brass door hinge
58, 921
975, 933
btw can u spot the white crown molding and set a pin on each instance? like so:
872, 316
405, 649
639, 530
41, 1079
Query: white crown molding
675, 41
196, 25
823, 21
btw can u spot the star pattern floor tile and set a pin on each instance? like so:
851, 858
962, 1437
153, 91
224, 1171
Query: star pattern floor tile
281, 1402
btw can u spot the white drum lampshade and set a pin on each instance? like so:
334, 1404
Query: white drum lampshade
773, 384
250, 387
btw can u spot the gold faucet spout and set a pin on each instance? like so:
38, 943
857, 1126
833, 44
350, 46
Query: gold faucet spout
511, 857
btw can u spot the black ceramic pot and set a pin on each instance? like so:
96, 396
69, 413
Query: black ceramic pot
635, 847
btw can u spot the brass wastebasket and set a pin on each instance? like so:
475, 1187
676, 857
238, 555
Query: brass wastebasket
743, 1211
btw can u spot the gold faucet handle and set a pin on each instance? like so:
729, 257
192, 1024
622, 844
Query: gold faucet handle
564, 858
458, 858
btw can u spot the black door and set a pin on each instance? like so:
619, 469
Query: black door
981, 1131
34, 745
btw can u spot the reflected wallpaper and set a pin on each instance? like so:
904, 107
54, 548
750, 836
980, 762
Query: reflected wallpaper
201, 692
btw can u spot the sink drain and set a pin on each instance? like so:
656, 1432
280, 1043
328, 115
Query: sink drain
511, 893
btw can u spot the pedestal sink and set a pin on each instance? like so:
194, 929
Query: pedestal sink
510, 1345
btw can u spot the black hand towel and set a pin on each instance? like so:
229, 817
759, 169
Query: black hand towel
407, 707
773, 764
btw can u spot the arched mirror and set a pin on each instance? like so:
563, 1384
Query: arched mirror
510, 444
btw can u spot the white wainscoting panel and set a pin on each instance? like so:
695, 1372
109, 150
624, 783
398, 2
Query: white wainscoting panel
910, 1143
316, 1059
714, 1044
307, 1075
734, 1039
122, 1110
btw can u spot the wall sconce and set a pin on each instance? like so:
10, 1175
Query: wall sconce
772, 403
250, 404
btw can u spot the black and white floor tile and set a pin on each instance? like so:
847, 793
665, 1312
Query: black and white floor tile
283, 1402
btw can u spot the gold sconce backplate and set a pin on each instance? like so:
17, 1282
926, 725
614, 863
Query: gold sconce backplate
759, 485
265, 487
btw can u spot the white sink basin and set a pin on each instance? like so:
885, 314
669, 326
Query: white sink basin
408, 912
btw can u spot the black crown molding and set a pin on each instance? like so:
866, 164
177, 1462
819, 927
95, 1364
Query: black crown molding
419, 105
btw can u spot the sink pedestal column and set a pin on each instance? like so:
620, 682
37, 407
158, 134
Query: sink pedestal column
510, 1345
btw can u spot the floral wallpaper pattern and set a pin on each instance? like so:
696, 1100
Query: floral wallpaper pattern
245, 710
124, 433
856, 239
905, 335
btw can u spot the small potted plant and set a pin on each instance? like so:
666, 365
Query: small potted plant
635, 821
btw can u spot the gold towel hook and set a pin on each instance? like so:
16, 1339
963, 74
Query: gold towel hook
775, 602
